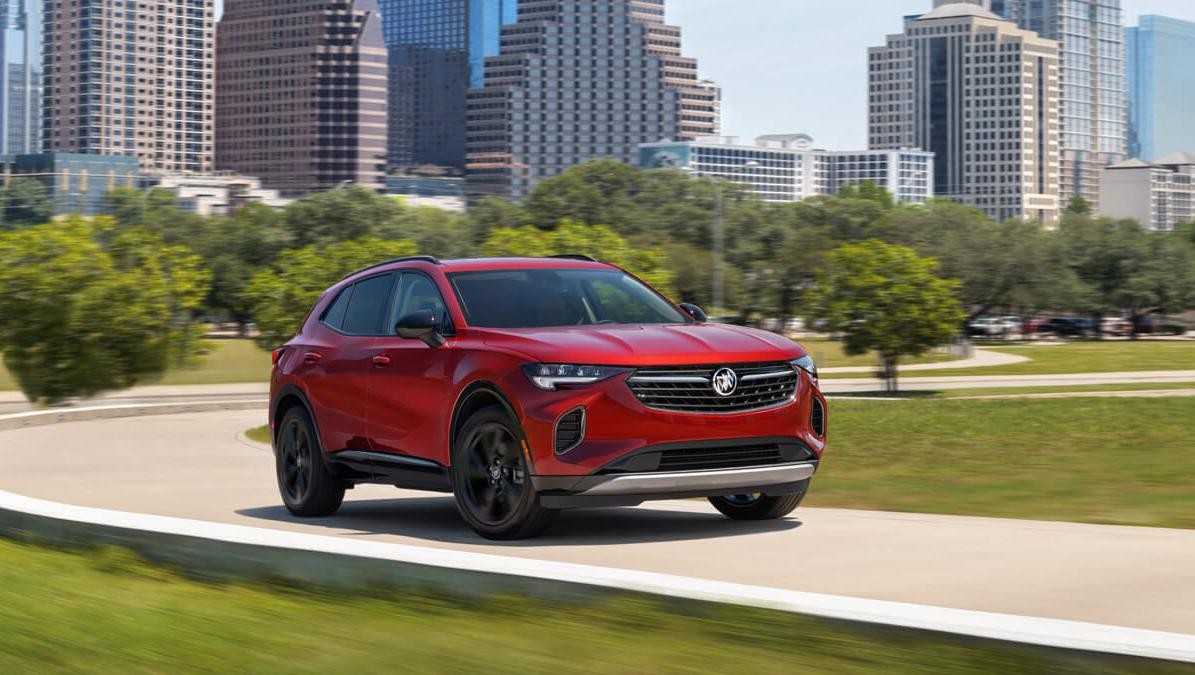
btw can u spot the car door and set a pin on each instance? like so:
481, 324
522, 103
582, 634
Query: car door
411, 383
338, 373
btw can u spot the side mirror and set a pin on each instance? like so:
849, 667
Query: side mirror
419, 325
695, 312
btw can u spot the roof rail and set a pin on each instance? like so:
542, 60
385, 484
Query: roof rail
573, 256
409, 258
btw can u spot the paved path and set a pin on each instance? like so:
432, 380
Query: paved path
200, 466
979, 358
851, 385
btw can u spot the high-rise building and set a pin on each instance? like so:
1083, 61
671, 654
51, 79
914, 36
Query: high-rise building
788, 168
982, 95
302, 93
437, 52
131, 77
578, 80
20, 77
1093, 107
1161, 87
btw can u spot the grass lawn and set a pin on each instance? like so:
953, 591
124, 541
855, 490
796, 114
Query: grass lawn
108, 611
259, 434
829, 354
1123, 461
1082, 357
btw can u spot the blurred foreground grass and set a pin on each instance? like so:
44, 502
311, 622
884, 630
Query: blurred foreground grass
1126, 461
108, 611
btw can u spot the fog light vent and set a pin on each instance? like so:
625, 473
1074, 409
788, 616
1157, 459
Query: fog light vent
570, 430
817, 418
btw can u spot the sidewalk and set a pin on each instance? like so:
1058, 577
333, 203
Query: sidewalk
14, 401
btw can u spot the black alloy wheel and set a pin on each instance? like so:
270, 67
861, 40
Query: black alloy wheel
307, 487
491, 480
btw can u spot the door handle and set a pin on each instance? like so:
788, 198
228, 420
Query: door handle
381, 360
312, 357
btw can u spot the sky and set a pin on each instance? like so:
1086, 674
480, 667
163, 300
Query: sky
800, 65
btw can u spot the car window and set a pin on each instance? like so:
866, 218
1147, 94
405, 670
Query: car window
417, 291
366, 311
334, 315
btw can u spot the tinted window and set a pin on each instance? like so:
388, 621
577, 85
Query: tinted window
367, 308
416, 292
334, 315
541, 298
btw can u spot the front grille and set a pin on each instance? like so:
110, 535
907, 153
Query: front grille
570, 430
696, 459
817, 418
690, 388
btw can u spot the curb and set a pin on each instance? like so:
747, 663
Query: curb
260, 553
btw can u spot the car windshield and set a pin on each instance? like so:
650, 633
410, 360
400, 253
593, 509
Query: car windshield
544, 298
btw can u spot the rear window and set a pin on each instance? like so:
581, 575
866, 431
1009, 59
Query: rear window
366, 311
546, 298
334, 315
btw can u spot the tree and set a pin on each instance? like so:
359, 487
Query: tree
593, 192
235, 249
1078, 206
884, 298
77, 318
25, 202
343, 214
1162, 280
494, 212
281, 296
999, 264
571, 236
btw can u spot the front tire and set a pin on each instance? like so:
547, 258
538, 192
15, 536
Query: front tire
757, 506
308, 489
491, 479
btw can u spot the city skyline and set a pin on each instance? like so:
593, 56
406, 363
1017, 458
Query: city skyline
756, 101
793, 39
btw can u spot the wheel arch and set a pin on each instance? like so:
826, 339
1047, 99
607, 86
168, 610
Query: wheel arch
474, 397
288, 398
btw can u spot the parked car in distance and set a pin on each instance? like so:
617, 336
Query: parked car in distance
523, 386
1068, 326
995, 327
1115, 325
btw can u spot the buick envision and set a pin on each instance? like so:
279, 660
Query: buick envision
525, 386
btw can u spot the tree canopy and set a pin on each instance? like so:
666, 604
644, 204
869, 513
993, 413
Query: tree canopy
884, 298
78, 317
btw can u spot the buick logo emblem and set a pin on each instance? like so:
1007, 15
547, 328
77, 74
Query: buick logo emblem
725, 382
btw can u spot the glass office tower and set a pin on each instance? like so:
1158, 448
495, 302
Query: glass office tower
20, 77
437, 51
1093, 111
1161, 87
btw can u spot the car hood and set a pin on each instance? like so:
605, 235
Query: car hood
644, 344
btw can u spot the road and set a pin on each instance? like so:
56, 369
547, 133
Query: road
199, 466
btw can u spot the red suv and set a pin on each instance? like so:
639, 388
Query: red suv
524, 386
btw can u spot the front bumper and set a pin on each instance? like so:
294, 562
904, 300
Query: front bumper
634, 488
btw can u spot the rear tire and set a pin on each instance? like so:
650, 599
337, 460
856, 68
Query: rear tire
757, 506
491, 479
308, 489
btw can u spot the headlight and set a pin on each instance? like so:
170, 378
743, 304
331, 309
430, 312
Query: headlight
806, 364
550, 376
